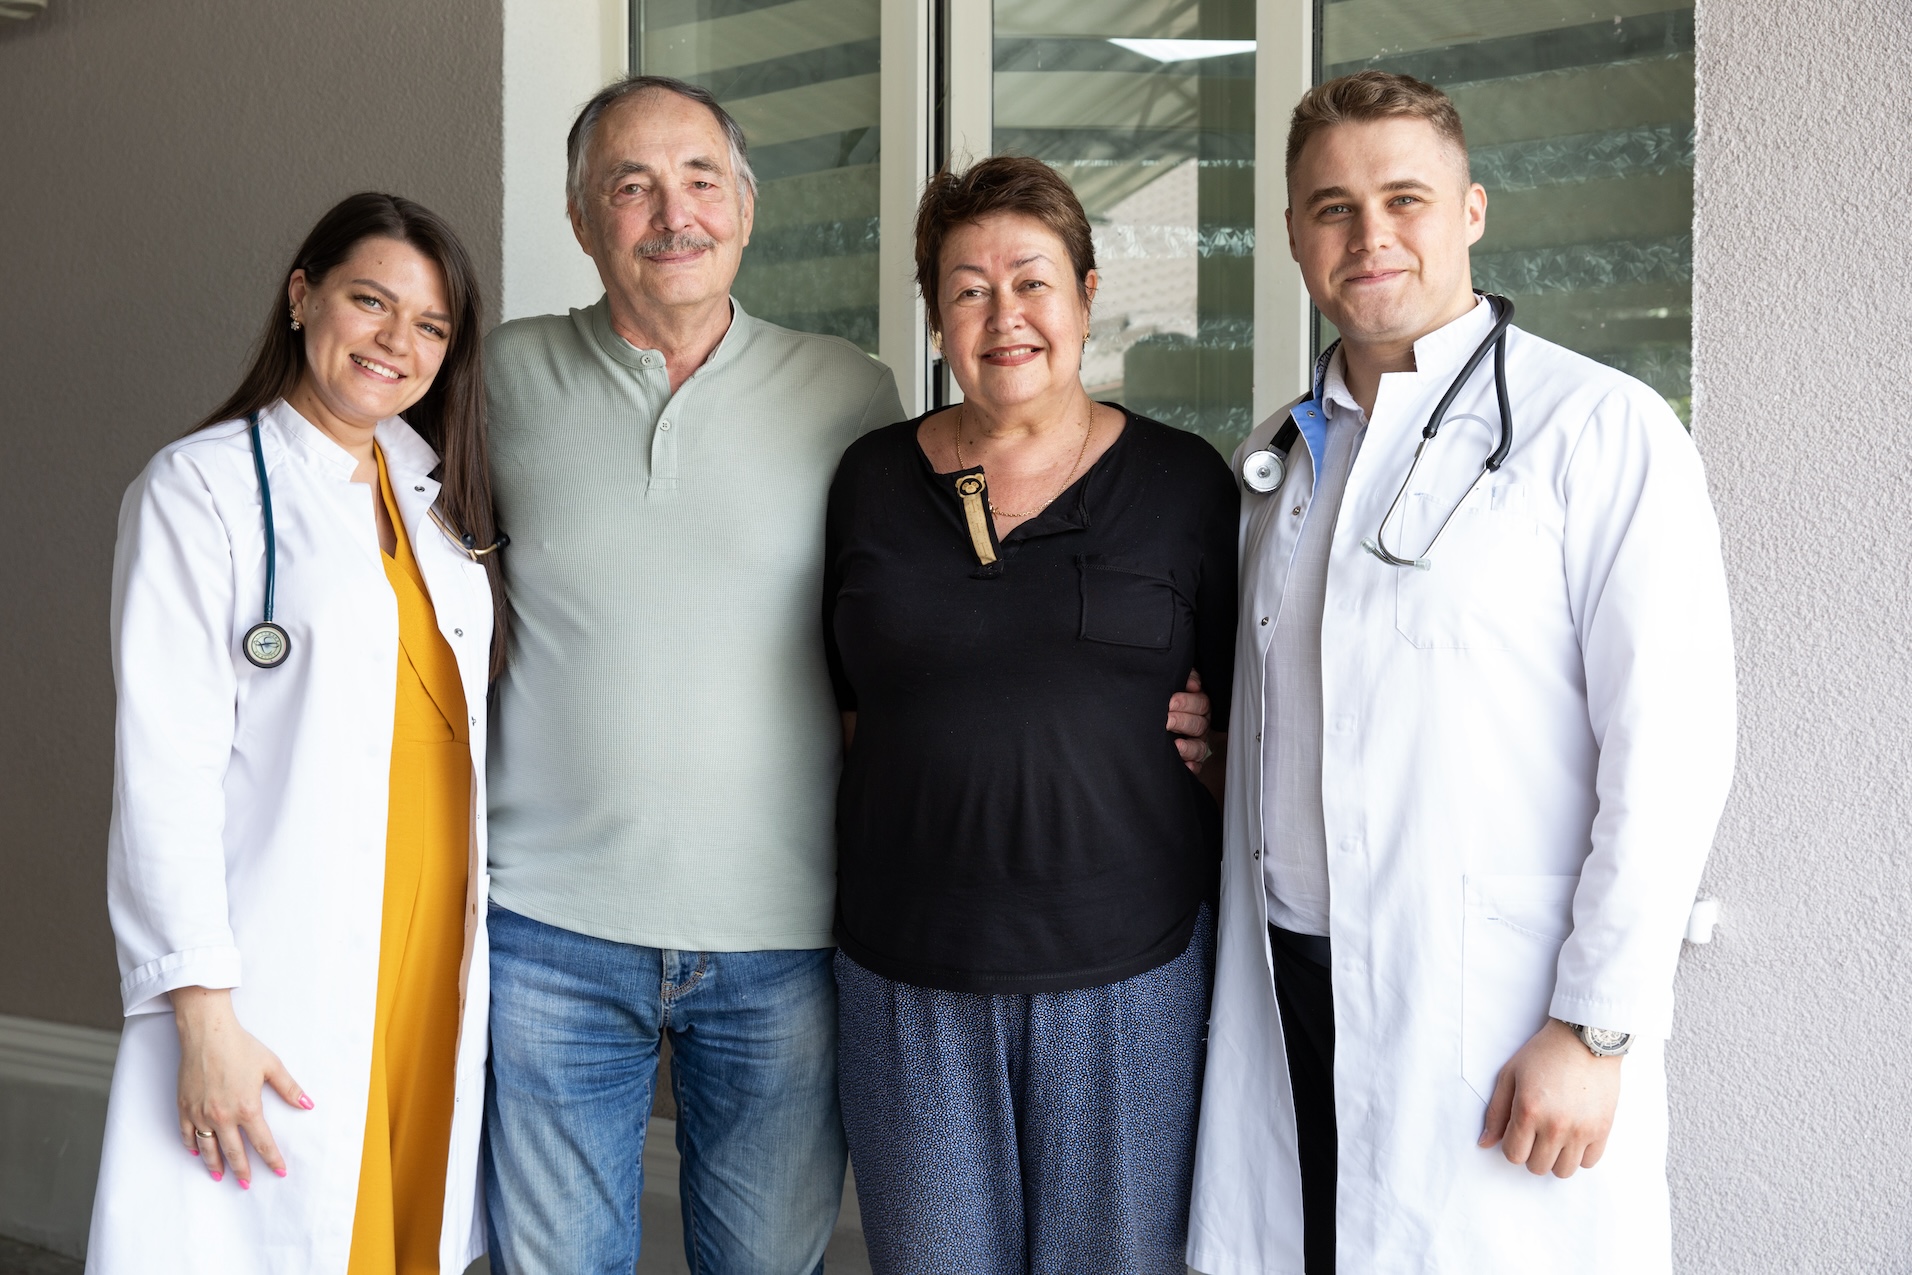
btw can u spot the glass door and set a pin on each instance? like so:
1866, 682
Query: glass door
1148, 108
802, 78
1579, 123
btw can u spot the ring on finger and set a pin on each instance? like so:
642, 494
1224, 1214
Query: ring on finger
1207, 750
204, 1133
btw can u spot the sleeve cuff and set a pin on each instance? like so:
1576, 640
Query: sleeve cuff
143, 990
1648, 1016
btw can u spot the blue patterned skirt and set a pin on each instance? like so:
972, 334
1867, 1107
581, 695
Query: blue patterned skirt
1047, 1134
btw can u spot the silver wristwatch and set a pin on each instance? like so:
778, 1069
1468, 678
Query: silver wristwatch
1601, 1042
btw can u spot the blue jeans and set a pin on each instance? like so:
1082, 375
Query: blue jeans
575, 1025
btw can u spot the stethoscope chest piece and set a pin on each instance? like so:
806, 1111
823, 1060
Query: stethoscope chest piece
266, 645
1263, 470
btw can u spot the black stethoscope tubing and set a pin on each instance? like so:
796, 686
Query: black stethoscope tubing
1264, 469
1496, 339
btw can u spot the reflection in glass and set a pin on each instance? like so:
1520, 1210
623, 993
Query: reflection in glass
1147, 107
801, 78
1580, 125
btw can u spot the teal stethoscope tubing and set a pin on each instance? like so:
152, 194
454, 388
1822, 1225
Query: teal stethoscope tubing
266, 644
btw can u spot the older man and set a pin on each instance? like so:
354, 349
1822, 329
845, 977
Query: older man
1483, 721
665, 757
667, 744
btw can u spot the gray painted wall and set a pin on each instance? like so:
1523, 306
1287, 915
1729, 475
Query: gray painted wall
159, 162
1792, 1090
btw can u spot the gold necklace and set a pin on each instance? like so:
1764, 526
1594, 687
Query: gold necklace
1088, 424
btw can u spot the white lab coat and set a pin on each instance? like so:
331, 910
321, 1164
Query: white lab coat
247, 847
1525, 752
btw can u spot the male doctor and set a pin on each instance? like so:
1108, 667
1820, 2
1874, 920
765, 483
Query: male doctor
1484, 730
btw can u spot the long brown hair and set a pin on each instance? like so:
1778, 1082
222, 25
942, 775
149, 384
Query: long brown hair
451, 415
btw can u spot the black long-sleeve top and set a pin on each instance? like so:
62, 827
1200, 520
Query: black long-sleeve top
1013, 816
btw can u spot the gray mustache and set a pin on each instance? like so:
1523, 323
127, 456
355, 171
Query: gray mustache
674, 243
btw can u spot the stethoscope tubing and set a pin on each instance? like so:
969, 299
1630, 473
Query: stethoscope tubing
267, 644
1495, 340
265, 508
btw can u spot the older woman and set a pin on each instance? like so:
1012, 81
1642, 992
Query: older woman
1012, 586
305, 618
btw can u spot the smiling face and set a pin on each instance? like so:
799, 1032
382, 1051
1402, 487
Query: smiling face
376, 330
661, 211
1013, 318
1381, 222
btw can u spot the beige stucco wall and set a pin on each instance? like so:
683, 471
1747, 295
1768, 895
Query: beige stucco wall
1792, 1061
159, 161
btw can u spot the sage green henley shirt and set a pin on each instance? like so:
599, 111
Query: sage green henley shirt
665, 743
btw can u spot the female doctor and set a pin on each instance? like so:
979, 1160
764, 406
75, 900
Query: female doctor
305, 618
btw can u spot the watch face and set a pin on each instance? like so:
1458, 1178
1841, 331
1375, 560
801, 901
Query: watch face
1607, 1041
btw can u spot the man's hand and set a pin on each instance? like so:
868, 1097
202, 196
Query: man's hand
1553, 1104
1188, 718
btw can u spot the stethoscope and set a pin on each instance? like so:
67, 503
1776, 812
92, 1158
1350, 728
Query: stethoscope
1263, 470
267, 644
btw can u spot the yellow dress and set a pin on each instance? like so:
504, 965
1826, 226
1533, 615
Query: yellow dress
401, 1191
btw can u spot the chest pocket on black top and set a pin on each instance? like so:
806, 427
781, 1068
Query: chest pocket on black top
1125, 604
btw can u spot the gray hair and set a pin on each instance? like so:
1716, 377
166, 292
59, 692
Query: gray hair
577, 146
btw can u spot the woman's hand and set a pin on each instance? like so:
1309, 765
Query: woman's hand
223, 1072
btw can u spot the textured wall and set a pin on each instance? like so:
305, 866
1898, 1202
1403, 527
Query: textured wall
1792, 1060
159, 162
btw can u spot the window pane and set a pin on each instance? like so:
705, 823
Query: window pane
801, 78
1579, 123
1148, 108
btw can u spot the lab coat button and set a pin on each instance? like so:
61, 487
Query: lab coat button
1264, 621
458, 633
664, 425
1295, 512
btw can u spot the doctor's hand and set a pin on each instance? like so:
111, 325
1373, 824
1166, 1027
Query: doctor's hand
223, 1072
1553, 1104
1188, 717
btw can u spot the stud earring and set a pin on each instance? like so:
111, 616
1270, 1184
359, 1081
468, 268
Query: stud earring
296, 325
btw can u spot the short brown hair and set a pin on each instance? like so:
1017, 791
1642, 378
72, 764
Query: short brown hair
1366, 96
999, 184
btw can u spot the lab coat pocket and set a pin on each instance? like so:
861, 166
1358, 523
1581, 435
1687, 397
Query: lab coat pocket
1512, 930
1491, 577
1126, 604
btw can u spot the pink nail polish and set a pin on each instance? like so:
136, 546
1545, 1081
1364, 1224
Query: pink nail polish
245, 1184
280, 1172
219, 1177
194, 1150
305, 1102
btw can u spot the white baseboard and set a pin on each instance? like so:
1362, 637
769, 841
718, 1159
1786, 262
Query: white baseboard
43, 1053
54, 1080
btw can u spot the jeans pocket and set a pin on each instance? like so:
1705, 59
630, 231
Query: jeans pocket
1512, 931
1126, 604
